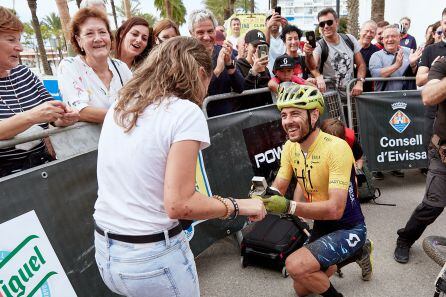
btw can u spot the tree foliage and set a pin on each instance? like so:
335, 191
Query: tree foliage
176, 7
224, 9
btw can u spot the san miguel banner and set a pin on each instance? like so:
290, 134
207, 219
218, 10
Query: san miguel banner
28, 264
391, 130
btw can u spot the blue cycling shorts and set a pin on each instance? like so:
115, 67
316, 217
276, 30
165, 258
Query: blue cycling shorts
337, 246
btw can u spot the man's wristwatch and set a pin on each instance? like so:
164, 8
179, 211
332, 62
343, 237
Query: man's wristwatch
231, 65
361, 79
251, 72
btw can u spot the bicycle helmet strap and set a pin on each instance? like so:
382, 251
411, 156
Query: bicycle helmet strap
310, 130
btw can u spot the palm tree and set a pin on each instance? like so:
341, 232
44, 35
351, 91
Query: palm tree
127, 8
134, 9
223, 11
64, 13
150, 18
112, 4
378, 8
353, 15
172, 9
52, 21
273, 3
36, 25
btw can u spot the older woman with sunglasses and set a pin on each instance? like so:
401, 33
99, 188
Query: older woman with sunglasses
24, 102
133, 41
91, 81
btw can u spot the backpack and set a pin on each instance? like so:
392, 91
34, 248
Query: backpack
325, 49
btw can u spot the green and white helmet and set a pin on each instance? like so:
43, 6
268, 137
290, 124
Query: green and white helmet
300, 96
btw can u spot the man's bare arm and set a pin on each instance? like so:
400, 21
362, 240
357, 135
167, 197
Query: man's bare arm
434, 92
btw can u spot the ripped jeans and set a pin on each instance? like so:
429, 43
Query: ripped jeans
162, 269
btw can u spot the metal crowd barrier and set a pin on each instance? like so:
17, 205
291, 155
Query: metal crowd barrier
353, 121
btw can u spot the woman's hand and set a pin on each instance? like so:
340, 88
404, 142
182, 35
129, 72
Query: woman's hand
70, 117
49, 111
253, 208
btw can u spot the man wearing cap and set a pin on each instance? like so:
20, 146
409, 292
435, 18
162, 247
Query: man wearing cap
253, 67
284, 72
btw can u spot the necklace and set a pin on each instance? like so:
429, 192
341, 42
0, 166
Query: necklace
16, 97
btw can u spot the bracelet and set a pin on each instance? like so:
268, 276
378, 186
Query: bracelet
236, 208
292, 207
222, 200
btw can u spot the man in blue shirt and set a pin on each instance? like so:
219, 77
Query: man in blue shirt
407, 40
226, 77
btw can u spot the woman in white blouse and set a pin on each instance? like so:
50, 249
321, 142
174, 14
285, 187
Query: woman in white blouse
147, 157
90, 81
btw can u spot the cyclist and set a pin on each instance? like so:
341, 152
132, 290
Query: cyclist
324, 167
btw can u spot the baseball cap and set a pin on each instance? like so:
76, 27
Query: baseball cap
255, 37
283, 62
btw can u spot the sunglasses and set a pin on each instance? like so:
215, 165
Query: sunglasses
329, 23
439, 32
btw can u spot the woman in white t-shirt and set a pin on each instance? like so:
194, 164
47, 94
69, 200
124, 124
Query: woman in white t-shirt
90, 82
147, 157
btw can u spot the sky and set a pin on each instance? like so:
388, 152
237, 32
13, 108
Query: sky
45, 7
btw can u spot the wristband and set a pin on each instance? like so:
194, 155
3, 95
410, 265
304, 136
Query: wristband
292, 207
222, 200
236, 208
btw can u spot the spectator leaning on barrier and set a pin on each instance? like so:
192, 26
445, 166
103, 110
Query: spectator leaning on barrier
90, 82
407, 40
133, 41
273, 24
393, 61
147, 156
366, 35
253, 67
164, 29
434, 201
291, 36
25, 104
226, 77
335, 55
379, 30
235, 25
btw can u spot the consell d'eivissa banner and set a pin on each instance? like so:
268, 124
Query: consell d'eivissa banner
398, 155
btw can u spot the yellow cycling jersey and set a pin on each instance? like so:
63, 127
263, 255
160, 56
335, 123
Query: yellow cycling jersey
327, 165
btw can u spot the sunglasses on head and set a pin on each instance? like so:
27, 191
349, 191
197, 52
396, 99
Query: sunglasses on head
329, 23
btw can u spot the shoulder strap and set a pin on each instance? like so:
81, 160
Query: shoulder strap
116, 68
348, 41
324, 54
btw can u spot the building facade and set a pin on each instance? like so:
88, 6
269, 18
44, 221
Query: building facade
303, 13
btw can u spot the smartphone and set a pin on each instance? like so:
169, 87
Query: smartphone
262, 50
311, 38
278, 9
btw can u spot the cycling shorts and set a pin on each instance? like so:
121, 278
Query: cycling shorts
337, 246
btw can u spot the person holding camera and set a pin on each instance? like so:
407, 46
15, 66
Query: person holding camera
273, 24
434, 201
326, 193
254, 66
407, 40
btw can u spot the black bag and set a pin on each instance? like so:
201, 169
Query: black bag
272, 240
366, 188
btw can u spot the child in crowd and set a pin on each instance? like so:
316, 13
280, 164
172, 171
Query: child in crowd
283, 72
337, 128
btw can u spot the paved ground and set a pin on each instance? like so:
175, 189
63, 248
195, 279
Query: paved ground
220, 272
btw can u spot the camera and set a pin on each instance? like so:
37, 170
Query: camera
278, 10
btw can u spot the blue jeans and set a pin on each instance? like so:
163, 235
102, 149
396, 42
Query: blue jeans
163, 269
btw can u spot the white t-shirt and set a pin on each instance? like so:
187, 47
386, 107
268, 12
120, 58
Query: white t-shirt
131, 166
234, 40
81, 87
276, 48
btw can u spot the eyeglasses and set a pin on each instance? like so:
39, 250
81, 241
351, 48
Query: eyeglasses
439, 32
329, 23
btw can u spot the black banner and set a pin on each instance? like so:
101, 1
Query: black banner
391, 130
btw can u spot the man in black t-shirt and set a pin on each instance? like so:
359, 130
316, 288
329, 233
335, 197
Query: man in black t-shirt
430, 55
366, 35
434, 200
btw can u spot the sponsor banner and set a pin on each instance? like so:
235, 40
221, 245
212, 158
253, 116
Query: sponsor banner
249, 21
28, 264
391, 130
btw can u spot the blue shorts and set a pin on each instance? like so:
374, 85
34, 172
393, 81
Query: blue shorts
336, 246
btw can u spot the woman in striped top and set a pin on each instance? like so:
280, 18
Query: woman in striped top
24, 102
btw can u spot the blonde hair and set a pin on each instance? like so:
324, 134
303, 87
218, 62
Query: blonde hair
171, 69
